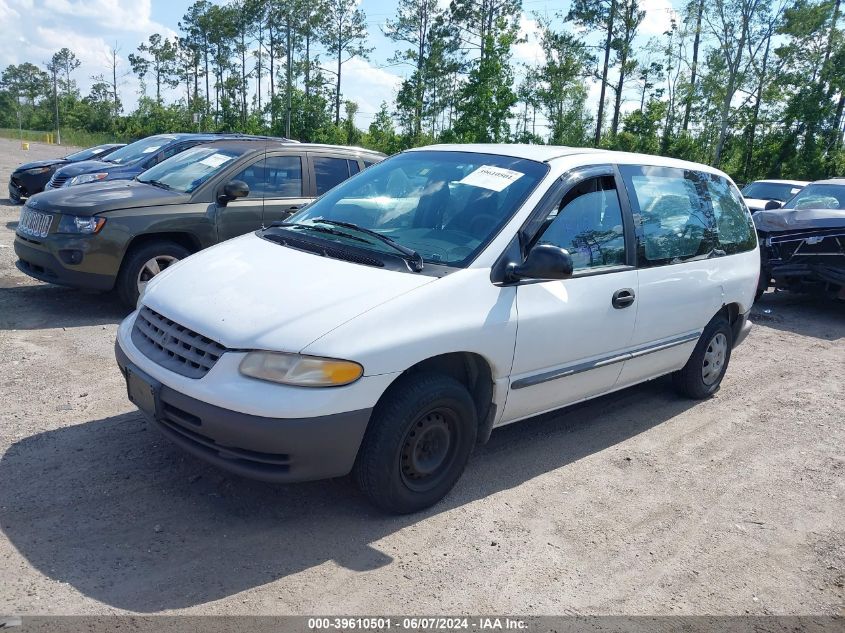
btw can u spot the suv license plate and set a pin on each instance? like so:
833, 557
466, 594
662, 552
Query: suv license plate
142, 393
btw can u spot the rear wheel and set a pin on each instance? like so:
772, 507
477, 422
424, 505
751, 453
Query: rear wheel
417, 443
703, 373
144, 262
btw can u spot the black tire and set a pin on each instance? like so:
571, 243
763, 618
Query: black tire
14, 199
695, 380
397, 468
135, 259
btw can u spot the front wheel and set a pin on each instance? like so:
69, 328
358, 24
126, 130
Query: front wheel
417, 444
144, 262
703, 373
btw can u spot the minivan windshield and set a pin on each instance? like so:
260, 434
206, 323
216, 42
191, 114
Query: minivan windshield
138, 149
188, 170
87, 154
819, 196
444, 205
770, 191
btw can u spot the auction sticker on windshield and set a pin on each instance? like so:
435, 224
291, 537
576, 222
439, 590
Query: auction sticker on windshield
489, 177
215, 160
150, 150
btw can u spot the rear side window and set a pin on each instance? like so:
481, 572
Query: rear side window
674, 220
353, 167
734, 227
329, 172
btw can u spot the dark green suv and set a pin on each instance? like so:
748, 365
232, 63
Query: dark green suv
120, 234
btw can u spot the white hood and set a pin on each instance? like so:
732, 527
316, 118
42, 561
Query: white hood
756, 204
249, 293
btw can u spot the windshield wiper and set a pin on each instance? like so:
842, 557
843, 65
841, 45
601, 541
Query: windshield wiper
318, 229
413, 257
158, 183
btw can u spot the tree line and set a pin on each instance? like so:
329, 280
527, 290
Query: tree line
755, 87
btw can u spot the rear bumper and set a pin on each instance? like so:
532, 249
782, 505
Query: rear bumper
269, 449
35, 260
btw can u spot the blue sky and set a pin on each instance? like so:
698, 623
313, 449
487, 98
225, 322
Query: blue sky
31, 30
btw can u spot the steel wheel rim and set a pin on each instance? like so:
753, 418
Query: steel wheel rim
152, 267
715, 356
428, 449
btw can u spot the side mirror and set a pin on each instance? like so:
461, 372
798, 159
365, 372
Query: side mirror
544, 261
773, 204
232, 190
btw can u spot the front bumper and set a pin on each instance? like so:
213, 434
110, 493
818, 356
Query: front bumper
254, 446
41, 260
804, 273
16, 190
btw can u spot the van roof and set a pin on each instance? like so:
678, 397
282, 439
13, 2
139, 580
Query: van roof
541, 153
547, 153
775, 181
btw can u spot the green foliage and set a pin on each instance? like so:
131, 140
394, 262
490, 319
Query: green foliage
754, 86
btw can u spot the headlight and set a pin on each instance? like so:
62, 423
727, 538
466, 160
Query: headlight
37, 170
301, 371
81, 179
80, 224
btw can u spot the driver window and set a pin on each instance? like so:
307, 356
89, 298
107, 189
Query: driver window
588, 224
255, 176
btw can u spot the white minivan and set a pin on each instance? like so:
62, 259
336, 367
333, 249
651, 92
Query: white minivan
389, 326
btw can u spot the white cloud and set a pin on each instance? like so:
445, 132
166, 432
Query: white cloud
120, 15
530, 51
367, 85
658, 16
87, 27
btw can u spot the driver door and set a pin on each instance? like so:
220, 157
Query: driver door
237, 217
572, 332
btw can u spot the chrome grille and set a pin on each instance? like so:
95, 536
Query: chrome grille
174, 346
56, 181
34, 224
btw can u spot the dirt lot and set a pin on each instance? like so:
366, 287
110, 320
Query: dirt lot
640, 502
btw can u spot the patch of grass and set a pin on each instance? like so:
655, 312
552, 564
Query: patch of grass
78, 138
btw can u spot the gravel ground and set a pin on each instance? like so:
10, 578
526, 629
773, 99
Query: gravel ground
637, 503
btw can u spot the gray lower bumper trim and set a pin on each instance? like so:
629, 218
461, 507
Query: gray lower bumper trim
257, 447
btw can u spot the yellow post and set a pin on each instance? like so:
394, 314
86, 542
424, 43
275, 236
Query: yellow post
24, 145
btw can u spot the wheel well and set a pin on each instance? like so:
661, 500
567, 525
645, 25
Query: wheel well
185, 240
731, 312
469, 369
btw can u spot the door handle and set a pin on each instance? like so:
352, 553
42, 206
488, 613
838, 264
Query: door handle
622, 298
